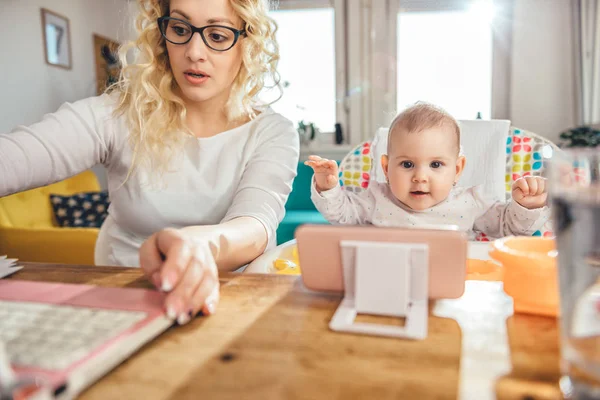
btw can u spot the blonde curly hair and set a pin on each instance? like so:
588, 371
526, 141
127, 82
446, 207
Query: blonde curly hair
155, 114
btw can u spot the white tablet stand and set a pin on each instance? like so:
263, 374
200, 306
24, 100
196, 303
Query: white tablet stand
386, 279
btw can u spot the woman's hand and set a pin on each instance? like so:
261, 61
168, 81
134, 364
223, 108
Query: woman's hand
186, 269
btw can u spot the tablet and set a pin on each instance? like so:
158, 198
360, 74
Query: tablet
319, 252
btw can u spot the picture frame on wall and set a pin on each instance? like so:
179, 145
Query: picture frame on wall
108, 66
57, 39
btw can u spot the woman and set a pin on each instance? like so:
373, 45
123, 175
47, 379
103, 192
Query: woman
198, 171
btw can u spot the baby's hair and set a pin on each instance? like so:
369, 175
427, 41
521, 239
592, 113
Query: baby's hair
421, 116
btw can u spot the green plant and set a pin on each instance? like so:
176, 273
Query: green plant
309, 130
581, 136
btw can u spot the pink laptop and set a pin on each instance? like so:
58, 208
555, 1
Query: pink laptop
64, 337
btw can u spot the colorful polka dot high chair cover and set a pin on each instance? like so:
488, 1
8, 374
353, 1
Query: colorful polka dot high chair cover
526, 155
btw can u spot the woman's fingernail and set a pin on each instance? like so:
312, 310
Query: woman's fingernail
169, 280
171, 313
174, 307
210, 307
166, 285
183, 319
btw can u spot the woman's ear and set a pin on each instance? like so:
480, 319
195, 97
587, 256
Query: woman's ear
460, 167
385, 164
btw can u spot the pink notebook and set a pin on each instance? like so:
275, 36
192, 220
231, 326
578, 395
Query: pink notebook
64, 337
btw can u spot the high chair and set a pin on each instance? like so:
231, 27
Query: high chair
497, 155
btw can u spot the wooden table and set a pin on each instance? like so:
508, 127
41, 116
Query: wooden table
270, 340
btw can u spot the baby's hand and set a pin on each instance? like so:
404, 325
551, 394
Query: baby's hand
530, 192
326, 172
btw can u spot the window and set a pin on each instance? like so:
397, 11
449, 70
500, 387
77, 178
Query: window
445, 57
307, 66
357, 62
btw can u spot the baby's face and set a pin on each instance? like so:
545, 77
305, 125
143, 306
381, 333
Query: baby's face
422, 167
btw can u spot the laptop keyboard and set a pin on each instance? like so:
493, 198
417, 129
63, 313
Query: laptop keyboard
52, 337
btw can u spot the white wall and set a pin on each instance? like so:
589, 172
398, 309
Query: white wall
542, 96
29, 87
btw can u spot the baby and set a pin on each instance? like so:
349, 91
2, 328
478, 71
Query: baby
422, 166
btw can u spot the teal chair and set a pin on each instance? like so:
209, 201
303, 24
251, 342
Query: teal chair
299, 208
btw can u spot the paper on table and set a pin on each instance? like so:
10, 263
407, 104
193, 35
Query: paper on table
8, 266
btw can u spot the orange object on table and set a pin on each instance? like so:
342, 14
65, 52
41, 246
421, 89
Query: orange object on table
529, 273
483, 270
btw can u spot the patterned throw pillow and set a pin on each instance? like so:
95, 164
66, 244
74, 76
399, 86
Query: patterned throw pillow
80, 210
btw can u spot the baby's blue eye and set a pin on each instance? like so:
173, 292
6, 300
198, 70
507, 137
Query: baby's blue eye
407, 164
436, 164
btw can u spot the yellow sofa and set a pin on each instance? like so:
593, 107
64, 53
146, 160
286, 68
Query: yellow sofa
28, 229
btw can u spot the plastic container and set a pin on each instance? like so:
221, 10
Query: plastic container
483, 270
529, 273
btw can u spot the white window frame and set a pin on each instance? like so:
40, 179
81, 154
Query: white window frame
371, 69
502, 58
339, 7
501, 45
366, 70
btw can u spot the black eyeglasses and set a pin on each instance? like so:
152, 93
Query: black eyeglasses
216, 37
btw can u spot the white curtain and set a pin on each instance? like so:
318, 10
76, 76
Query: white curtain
587, 60
371, 66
